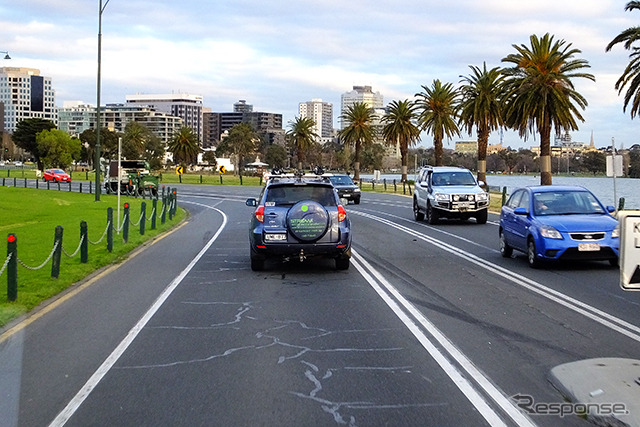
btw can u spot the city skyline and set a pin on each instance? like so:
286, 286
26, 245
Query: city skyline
278, 55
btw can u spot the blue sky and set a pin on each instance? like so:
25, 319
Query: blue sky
276, 54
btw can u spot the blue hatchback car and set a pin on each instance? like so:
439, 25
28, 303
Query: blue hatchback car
552, 223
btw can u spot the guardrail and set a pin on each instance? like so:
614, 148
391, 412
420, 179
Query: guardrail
169, 206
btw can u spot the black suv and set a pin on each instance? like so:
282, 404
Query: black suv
296, 217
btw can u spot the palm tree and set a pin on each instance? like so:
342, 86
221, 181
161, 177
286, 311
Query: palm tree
359, 130
439, 105
400, 127
481, 106
631, 75
540, 94
302, 136
185, 146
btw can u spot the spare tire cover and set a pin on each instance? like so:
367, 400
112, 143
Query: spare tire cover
307, 220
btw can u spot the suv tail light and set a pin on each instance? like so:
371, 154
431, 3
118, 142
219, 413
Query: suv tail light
260, 213
342, 214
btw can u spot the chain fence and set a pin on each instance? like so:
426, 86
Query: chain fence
58, 248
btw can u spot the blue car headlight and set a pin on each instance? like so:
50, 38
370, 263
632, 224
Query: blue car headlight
616, 232
549, 232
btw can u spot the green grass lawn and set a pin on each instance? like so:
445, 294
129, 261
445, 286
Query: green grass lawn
32, 215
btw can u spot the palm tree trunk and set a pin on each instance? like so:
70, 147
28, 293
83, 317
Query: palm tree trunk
483, 139
438, 151
404, 156
545, 155
356, 163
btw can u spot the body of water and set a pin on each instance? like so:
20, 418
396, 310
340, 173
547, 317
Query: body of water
602, 187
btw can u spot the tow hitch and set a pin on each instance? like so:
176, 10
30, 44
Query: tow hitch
302, 257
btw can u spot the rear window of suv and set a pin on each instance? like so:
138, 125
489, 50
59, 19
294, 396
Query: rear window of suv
282, 195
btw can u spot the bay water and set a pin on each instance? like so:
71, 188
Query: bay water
604, 188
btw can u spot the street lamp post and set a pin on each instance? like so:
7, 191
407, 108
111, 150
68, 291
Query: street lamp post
6, 56
97, 154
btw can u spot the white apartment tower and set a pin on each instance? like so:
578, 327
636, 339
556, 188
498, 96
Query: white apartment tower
187, 107
322, 114
25, 94
364, 94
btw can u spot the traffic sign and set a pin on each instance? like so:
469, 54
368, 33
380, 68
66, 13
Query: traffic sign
221, 170
629, 250
179, 170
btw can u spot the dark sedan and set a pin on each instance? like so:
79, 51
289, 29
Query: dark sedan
346, 188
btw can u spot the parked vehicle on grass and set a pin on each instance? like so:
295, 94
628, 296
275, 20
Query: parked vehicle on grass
55, 175
134, 178
346, 188
297, 217
554, 223
449, 192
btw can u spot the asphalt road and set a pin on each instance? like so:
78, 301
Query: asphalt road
429, 326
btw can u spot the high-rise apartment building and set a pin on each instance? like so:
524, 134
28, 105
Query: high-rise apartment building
187, 107
267, 125
364, 94
375, 101
322, 114
25, 94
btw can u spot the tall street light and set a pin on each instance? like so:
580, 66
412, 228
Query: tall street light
7, 54
97, 154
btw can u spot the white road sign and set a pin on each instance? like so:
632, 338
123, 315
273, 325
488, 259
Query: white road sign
629, 250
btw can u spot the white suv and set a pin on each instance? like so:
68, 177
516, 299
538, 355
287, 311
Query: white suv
449, 192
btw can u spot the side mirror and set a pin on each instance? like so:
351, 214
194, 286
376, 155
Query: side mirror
611, 209
520, 211
481, 183
252, 202
424, 184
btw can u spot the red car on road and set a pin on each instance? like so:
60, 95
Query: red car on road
56, 175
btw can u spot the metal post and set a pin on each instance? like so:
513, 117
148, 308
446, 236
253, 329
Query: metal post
84, 245
125, 224
12, 267
154, 213
143, 216
97, 154
57, 253
110, 229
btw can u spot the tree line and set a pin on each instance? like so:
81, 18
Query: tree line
50, 147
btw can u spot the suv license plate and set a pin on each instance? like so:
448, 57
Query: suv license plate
585, 247
272, 237
464, 205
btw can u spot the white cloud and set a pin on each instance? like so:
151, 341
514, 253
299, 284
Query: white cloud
277, 54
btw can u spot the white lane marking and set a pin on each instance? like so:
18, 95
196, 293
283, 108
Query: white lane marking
458, 378
593, 313
106, 366
439, 230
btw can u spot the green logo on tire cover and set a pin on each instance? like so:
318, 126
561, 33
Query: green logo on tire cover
309, 226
